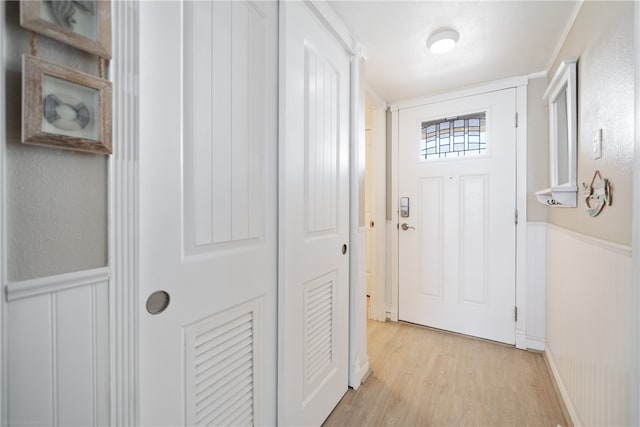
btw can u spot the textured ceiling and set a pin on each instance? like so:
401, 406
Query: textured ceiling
497, 40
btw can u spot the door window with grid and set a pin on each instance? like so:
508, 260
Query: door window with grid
460, 136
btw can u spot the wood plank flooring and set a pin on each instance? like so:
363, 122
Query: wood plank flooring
425, 377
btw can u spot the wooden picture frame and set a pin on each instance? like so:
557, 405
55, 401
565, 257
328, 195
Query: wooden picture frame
85, 25
65, 108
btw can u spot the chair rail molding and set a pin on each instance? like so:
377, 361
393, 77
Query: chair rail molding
58, 282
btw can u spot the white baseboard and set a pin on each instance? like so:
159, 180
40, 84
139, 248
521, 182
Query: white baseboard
562, 388
392, 314
521, 340
360, 373
535, 343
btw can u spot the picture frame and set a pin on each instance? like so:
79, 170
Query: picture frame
85, 25
65, 108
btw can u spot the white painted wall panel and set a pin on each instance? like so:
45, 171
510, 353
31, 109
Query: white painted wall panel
536, 280
75, 349
30, 361
59, 356
82, 348
589, 325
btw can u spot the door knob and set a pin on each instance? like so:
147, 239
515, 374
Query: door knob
406, 226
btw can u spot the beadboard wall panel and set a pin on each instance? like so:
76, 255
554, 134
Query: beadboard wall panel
58, 357
589, 325
536, 280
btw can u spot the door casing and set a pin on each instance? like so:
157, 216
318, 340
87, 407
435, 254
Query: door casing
456, 220
520, 84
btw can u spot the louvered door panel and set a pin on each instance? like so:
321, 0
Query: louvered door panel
219, 368
319, 331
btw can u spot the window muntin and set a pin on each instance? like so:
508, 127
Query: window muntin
460, 136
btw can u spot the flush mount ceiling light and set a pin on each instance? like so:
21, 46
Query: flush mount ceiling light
443, 41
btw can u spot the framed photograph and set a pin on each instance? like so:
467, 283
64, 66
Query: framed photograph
65, 108
85, 25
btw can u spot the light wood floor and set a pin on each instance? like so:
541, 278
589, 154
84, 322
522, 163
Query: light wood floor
427, 377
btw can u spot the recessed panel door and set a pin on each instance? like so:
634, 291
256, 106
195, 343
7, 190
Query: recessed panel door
208, 191
457, 231
314, 220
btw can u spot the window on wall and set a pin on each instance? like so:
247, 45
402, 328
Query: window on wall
454, 137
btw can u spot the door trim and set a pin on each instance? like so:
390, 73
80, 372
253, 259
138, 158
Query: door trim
358, 357
124, 217
4, 400
635, 239
520, 84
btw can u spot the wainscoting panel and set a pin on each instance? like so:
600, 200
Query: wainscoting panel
58, 354
589, 326
536, 280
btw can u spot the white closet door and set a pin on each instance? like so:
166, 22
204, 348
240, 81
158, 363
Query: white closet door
314, 220
208, 190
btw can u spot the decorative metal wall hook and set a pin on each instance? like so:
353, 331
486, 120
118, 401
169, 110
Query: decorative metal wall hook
596, 195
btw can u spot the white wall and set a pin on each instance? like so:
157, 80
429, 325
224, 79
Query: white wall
536, 279
589, 329
67, 317
58, 350
376, 196
590, 294
635, 355
55, 275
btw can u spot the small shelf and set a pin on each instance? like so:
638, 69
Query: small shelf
559, 197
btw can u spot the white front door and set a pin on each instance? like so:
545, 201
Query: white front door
457, 188
208, 190
314, 220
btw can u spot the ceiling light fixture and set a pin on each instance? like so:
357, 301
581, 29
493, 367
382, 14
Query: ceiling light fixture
443, 41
